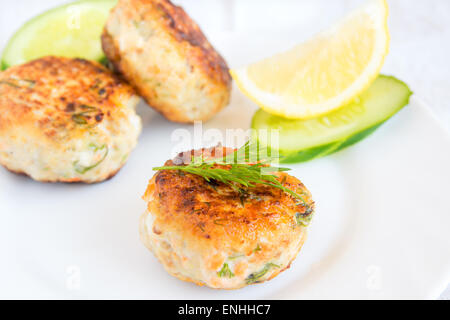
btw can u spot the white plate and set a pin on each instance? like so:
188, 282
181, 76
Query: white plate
381, 229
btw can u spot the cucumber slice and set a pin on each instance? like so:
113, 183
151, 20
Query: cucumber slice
303, 140
72, 30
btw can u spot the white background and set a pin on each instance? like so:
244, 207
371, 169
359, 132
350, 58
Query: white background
420, 31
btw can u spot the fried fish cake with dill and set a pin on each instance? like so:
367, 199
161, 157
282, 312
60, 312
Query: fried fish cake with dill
66, 120
212, 235
163, 53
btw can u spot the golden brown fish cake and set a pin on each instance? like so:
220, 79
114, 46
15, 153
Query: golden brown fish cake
211, 235
157, 47
66, 120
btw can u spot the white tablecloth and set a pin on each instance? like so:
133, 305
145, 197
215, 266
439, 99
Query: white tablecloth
420, 30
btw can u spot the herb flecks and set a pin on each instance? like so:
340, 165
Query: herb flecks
258, 248
201, 226
19, 83
9, 84
237, 170
257, 276
81, 118
236, 256
225, 272
220, 222
83, 169
242, 198
304, 219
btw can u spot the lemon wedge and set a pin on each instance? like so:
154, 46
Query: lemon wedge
324, 73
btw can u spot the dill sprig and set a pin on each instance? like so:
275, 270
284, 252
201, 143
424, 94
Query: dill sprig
245, 168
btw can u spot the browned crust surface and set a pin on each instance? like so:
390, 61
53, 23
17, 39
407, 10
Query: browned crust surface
185, 30
57, 94
177, 32
211, 212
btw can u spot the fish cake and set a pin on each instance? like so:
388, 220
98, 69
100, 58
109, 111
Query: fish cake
163, 53
66, 120
209, 234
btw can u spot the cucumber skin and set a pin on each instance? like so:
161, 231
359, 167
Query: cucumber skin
3, 66
326, 150
104, 61
306, 155
309, 154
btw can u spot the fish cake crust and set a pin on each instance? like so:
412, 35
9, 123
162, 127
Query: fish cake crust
211, 235
163, 53
66, 120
